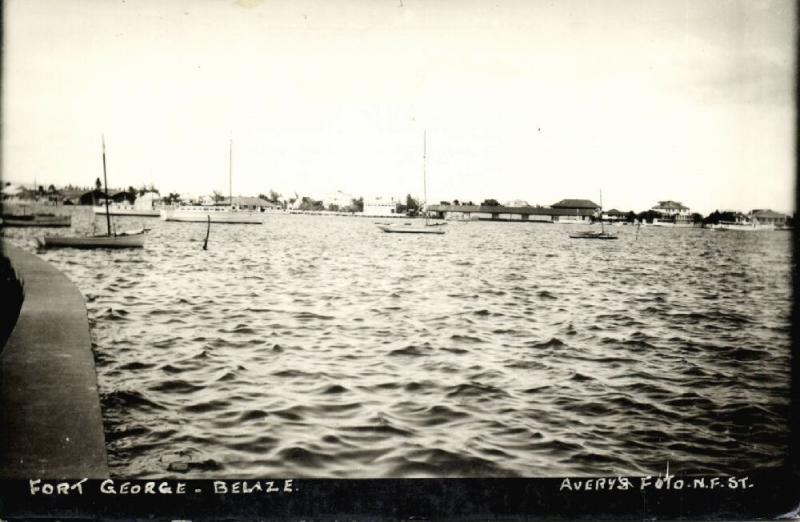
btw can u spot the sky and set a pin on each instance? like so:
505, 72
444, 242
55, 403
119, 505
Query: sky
528, 100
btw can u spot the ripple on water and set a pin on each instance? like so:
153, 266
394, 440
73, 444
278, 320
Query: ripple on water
317, 346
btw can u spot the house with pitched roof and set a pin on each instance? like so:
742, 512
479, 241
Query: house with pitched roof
575, 211
672, 213
761, 217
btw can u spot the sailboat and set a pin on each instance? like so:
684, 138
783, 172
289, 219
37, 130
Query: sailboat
231, 214
129, 239
594, 234
427, 228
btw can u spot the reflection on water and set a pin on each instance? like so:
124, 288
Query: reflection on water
319, 346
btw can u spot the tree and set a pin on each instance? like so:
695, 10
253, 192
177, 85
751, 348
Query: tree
274, 197
456, 202
97, 184
412, 205
715, 217
357, 205
490, 203
217, 196
40, 190
697, 218
333, 207
307, 203
51, 189
647, 216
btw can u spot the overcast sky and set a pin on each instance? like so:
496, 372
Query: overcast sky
533, 100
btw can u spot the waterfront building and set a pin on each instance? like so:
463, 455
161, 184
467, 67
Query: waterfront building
569, 214
381, 206
13, 192
338, 199
250, 203
83, 197
613, 216
760, 217
672, 212
575, 211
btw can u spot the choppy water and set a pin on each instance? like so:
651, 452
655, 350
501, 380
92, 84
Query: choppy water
321, 347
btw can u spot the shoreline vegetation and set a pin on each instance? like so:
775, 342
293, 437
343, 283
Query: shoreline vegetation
343, 205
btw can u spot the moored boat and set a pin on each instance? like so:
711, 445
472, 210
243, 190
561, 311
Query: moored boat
118, 209
230, 214
427, 228
407, 228
131, 239
118, 241
593, 235
216, 213
36, 220
744, 227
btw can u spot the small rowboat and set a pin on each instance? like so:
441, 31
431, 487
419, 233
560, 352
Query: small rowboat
411, 229
119, 241
593, 235
36, 220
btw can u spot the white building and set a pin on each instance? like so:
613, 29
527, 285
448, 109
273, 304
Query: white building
672, 212
147, 201
671, 209
338, 198
381, 206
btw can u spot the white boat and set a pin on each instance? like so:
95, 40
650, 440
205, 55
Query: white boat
230, 214
744, 227
217, 214
408, 228
118, 209
131, 239
121, 209
672, 224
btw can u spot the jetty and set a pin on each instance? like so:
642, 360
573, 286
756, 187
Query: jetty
50, 420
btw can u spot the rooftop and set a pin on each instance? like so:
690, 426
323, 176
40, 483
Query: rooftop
671, 205
764, 213
576, 203
531, 211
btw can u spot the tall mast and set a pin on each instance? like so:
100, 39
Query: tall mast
602, 227
230, 173
424, 174
105, 185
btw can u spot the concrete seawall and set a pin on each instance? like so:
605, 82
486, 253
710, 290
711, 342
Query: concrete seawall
50, 420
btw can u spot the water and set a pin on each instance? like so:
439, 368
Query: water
316, 346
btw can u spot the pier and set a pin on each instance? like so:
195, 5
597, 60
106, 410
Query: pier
50, 420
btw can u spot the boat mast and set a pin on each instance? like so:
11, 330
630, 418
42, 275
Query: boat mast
424, 174
230, 173
602, 227
105, 184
